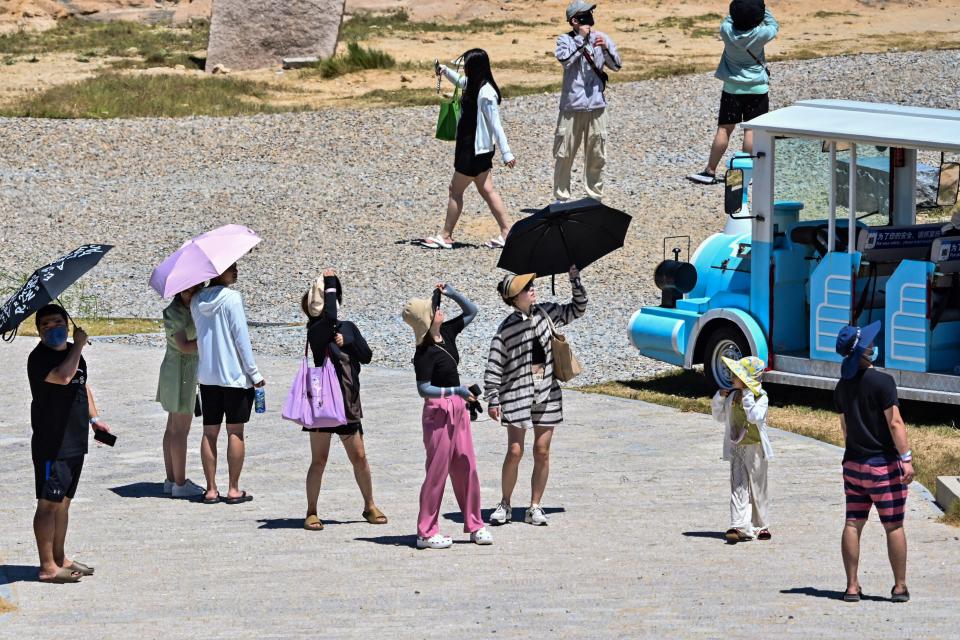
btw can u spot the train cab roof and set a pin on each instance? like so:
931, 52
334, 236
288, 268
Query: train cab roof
865, 122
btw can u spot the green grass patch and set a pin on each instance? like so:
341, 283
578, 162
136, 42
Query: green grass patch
952, 515
106, 38
114, 95
357, 58
935, 441
365, 25
105, 326
402, 97
688, 23
834, 14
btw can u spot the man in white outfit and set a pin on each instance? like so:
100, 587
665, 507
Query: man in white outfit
583, 52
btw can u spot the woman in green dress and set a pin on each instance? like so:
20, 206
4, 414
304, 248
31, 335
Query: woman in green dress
177, 392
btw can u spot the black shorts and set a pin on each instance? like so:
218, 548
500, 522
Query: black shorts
230, 403
349, 429
56, 479
737, 108
473, 165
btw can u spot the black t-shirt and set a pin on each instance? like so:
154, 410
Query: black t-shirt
59, 413
862, 400
433, 360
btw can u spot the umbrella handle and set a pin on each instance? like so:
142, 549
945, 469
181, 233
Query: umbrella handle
70, 318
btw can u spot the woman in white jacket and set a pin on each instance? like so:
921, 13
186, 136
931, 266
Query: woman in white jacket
479, 132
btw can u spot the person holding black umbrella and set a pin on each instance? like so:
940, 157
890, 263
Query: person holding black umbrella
519, 383
61, 414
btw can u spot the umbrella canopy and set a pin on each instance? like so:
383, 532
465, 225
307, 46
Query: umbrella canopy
570, 233
46, 284
202, 258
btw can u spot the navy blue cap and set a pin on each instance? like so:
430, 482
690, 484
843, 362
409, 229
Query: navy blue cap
851, 343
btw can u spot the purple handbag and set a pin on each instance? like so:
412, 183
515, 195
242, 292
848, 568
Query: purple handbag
315, 400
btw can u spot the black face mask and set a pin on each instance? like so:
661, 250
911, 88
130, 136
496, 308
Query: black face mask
585, 18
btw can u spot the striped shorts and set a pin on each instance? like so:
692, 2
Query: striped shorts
876, 481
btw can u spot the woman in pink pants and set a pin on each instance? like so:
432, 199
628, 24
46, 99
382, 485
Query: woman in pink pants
446, 419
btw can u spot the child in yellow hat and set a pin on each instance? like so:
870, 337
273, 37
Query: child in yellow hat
743, 411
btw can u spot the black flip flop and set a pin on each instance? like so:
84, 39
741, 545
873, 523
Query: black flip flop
853, 597
206, 500
903, 596
243, 497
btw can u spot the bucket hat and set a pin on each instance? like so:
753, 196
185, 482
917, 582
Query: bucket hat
315, 296
418, 313
852, 342
749, 370
747, 14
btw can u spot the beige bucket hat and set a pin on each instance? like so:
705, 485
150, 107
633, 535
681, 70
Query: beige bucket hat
418, 313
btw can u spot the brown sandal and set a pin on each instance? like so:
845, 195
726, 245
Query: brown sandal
63, 576
313, 523
375, 516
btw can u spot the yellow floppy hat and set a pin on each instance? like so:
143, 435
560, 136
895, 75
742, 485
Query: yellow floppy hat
418, 313
749, 370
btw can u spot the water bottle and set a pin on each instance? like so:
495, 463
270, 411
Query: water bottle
260, 400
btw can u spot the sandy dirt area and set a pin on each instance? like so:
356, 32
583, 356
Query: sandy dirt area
654, 38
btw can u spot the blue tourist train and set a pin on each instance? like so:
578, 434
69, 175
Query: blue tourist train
786, 273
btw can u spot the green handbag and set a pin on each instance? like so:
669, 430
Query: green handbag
449, 115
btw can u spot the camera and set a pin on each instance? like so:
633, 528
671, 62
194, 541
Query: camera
475, 407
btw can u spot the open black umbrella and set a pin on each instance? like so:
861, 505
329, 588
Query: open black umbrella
46, 284
563, 234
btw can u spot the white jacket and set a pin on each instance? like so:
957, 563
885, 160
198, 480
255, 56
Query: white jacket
489, 129
756, 410
223, 342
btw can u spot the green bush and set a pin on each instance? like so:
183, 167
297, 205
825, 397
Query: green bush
357, 58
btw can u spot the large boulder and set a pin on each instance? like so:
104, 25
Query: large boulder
253, 34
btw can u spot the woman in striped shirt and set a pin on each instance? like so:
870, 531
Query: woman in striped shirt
520, 387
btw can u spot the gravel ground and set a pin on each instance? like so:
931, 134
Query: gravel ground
350, 189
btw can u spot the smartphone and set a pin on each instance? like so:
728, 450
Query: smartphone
436, 299
105, 437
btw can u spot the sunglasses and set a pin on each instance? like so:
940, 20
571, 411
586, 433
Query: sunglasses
530, 286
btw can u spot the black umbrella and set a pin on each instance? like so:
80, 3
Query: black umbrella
46, 284
563, 234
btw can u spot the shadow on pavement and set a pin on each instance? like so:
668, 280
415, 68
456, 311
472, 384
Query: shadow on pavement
393, 541
518, 514
297, 523
141, 490
828, 594
10, 573
717, 535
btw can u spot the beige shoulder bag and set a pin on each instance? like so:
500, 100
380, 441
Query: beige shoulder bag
566, 367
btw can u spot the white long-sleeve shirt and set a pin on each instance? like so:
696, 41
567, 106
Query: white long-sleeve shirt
223, 341
489, 129
756, 410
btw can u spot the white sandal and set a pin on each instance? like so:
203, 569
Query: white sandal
436, 242
495, 243
436, 541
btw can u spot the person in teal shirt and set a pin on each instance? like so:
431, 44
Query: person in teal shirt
745, 32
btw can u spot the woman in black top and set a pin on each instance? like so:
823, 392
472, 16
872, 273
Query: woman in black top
446, 421
344, 344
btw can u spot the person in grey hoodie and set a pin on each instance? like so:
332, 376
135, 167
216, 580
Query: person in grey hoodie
743, 69
227, 374
583, 52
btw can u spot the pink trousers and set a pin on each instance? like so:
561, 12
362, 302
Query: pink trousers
449, 444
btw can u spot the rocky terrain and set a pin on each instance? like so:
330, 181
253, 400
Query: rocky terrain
351, 189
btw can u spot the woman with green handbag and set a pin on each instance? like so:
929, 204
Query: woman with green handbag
479, 133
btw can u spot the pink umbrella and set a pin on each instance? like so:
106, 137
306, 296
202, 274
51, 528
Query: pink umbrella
202, 258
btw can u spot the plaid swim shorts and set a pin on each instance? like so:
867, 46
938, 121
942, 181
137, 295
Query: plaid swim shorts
876, 481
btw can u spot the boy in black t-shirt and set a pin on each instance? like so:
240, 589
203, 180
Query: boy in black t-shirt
61, 413
877, 462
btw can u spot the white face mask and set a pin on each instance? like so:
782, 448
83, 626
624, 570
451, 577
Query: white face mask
871, 354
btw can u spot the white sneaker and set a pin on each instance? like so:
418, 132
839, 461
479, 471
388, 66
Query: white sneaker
535, 516
704, 177
189, 489
435, 541
502, 514
481, 536
167, 487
